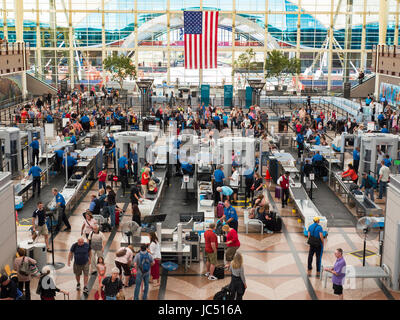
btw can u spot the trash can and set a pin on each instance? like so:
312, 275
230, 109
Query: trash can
40, 254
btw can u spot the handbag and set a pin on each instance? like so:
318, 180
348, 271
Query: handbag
313, 241
120, 296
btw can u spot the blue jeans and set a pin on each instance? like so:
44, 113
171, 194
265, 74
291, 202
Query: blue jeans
111, 298
370, 192
111, 210
139, 277
102, 184
382, 189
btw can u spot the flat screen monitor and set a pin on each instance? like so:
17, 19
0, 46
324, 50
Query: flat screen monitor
154, 218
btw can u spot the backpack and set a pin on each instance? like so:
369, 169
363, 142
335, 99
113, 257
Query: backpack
220, 209
144, 262
225, 294
95, 245
25, 268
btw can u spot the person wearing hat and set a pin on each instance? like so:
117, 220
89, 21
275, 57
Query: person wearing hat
8, 288
112, 285
316, 242
35, 150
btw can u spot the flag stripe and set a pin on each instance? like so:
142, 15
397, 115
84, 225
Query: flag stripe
215, 26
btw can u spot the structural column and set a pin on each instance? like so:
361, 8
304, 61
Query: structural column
136, 39
383, 20
266, 35
298, 38
330, 60
71, 47
201, 70
19, 31
103, 43
233, 41
168, 44
38, 42
363, 62
5, 31
396, 25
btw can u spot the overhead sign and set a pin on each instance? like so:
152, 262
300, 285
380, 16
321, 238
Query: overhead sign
205, 94
228, 95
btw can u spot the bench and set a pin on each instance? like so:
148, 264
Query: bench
359, 272
248, 221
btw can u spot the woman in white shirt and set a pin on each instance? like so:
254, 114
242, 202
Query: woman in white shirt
234, 183
155, 251
88, 224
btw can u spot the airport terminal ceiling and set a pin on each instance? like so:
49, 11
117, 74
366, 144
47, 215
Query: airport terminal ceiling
72, 32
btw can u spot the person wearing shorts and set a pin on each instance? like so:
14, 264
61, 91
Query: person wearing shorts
232, 243
81, 253
39, 224
211, 247
338, 273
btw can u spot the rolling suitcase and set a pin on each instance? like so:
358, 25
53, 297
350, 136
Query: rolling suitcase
117, 215
277, 224
278, 192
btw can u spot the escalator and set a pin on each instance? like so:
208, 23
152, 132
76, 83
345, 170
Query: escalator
37, 86
362, 90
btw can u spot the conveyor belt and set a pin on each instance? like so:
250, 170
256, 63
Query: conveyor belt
332, 207
299, 193
172, 204
45, 196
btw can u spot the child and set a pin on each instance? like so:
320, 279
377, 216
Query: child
101, 271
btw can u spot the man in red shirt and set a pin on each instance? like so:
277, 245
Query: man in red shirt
211, 246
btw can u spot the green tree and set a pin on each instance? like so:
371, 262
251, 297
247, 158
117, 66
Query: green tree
120, 67
279, 66
245, 63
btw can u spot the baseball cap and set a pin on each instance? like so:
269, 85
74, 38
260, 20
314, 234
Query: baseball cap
3, 278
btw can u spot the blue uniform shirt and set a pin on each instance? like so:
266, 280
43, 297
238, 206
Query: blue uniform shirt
225, 117
133, 157
230, 213
219, 175
381, 117
85, 119
248, 173
60, 199
73, 139
385, 130
122, 162
317, 157
49, 119
356, 155
317, 140
186, 166
315, 229
35, 171
34, 144
60, 153
70, 161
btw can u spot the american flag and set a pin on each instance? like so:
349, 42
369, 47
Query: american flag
201, 29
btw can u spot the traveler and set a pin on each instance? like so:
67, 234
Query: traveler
112, 285
8, 288
283, 182
224, 191
238, 280
22, 265
211, 247
257, 186
123, 261
263, 214
338, 273
47, 288
383, 179
94, 206
88, 224
155, 251
136, 195
82, 254
60, 205
143, 262
248, 180
35, 171
101, 270
350, 174
232, 243
111, 203
230, 216
39, 224
369, 183
316, 242
145, 181
102, 178
136, 216
234, 183
96, 242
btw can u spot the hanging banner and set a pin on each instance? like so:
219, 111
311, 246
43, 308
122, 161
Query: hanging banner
205, 94
228, 95
249, 96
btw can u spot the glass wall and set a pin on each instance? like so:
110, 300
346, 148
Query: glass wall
70, 38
